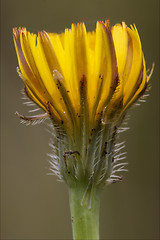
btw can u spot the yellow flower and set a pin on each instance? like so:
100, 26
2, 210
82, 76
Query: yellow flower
105, 69
85, 81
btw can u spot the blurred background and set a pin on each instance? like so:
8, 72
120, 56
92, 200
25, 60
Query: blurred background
35, 205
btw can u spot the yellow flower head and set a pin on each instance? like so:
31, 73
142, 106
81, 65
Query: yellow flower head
106, 65
83, 80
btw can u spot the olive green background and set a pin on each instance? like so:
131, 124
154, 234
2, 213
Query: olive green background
34, 205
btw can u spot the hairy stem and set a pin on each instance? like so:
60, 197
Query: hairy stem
84, 206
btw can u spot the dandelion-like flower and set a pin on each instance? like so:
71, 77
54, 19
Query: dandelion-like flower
85, 82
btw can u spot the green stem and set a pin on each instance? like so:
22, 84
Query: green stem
84, 206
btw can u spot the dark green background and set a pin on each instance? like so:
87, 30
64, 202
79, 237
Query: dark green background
35, 205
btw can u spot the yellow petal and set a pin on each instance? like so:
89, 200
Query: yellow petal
140, 89
26, 71
108, 66
134, 65
45, 74
120, 38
